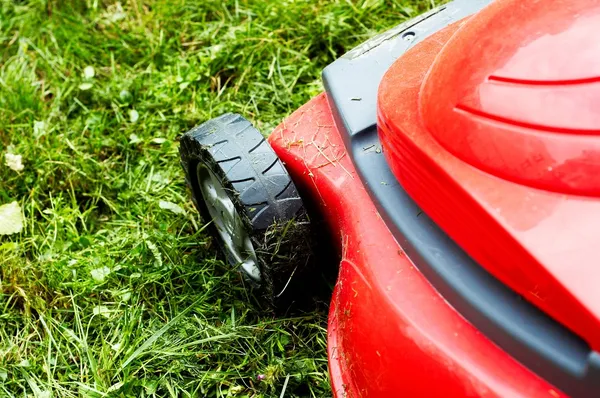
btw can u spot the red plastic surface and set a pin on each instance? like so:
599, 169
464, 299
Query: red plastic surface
497, 137
390, 333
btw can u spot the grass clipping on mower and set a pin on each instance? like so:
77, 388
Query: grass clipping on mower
285, 253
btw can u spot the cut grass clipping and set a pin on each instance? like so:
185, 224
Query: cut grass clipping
109, 285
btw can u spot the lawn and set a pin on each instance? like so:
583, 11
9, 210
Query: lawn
113, 288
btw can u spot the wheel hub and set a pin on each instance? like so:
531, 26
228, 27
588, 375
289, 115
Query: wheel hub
228, 222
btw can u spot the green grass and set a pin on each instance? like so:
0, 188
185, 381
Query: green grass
105, 293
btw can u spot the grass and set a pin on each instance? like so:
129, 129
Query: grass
106, 292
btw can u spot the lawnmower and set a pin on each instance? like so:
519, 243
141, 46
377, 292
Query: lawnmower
455, 161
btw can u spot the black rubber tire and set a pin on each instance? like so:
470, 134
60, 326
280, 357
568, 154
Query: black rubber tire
263, 194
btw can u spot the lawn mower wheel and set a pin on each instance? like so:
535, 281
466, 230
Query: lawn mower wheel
257, 216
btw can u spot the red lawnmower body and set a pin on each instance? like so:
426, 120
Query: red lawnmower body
390, 332
490, 124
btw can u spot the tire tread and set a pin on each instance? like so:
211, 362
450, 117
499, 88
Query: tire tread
257, 162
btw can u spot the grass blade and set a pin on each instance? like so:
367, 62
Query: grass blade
140, 350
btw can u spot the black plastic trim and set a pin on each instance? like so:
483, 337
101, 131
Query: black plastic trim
521, 329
